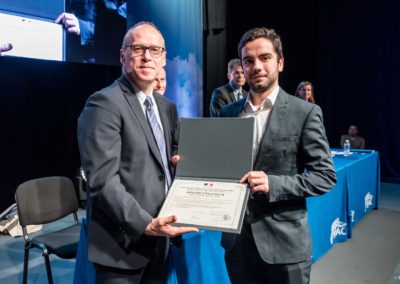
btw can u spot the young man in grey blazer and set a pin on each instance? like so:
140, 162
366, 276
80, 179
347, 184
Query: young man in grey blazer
230, 92
127, 141
291, 161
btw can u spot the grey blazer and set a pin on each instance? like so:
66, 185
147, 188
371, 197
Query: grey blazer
126, 181
222, 96
295, 154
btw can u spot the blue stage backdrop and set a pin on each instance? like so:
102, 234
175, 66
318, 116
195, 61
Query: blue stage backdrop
181, 23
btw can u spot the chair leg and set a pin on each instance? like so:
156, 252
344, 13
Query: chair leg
48, 268
26, 259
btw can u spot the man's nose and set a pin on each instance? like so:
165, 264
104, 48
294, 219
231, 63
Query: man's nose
257, 65
147, 55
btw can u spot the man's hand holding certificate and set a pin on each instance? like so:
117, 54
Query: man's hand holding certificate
163, 226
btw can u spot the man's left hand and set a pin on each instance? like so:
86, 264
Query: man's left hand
257, 180
175, 159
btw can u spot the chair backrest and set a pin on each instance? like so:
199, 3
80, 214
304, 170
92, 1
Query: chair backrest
44, 200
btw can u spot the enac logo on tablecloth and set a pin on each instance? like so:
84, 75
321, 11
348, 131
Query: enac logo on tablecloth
368, 200
337, 228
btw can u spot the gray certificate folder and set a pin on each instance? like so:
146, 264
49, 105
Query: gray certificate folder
214, 154
218, 148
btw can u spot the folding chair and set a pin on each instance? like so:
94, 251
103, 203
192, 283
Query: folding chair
42, 201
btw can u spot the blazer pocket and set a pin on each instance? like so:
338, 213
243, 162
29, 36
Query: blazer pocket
290, 215
285, 143
284, 154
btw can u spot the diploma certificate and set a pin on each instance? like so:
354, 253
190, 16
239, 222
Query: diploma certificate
206, 204
206, 193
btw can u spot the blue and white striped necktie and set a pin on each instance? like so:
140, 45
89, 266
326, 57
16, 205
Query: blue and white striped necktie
158, 135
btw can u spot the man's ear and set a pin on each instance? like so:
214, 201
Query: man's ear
164, 59
121, 56
281, 63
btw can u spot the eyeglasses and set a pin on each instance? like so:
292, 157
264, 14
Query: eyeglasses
138, 50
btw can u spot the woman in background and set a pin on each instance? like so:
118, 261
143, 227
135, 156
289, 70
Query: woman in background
305, 91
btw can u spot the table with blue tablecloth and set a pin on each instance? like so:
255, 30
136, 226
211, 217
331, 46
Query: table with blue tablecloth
331, 216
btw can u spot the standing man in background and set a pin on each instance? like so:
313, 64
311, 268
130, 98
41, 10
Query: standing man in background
230, 92
127, 143
292, 160
160, 84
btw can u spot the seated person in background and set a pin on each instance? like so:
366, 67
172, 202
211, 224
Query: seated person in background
356, 142
230, 92
160, 84
305, 91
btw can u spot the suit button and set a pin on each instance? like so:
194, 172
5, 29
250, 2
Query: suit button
161, 177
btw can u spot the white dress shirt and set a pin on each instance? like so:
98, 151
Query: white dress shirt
261, 115
142, 99
236, 92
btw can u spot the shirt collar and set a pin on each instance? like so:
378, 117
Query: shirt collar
140, 94
235, 91
267, 103
142, 97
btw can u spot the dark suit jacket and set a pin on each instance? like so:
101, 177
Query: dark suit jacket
126, 181
222, 96
295, 154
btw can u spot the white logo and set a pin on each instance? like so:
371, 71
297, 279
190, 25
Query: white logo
368, 200
352, 214
337, 228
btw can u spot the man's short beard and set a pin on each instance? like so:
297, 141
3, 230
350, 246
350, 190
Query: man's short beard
260, 88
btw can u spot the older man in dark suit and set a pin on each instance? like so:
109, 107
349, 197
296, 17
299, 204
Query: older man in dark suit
230, 92
291, 161
127, 142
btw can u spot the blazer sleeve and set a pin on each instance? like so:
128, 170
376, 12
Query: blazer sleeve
175, 135
319, 176
217, 102
99, 140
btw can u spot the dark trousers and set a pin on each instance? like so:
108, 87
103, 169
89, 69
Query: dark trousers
245, 265
155, 272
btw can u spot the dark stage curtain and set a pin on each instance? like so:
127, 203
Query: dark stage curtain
215, 49
358, 69
40, 104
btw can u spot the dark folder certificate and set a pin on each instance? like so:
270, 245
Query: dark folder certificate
215, 153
